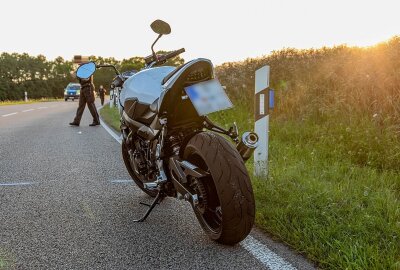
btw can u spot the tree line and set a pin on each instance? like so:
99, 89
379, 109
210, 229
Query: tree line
43, 78
34, 74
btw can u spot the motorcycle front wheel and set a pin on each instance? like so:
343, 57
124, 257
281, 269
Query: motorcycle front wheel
226, 208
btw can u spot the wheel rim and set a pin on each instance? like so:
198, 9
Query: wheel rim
211, 215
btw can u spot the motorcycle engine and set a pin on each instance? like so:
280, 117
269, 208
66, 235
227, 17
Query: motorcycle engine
142, 160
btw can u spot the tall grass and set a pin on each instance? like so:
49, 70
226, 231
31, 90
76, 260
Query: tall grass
354, 93
316, 199
334, 172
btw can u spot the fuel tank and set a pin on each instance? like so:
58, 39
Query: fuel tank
145, 85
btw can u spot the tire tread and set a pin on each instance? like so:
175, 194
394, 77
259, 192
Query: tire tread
232, 183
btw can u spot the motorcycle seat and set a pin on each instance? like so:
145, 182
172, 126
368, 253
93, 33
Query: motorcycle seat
205, 71
166, 78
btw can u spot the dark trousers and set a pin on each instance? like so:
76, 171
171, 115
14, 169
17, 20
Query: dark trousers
92, 108
102, 99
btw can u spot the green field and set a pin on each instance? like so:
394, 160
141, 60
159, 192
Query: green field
317, 199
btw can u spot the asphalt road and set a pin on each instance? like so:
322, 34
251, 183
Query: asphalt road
66, 202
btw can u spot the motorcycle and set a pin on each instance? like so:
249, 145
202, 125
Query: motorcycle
172, 149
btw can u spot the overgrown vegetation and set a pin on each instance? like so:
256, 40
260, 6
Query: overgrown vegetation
334, 174
352, 94
339, 214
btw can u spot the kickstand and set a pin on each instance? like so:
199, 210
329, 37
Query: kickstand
160, 196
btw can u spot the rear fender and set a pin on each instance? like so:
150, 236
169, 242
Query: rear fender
174, 102
185, 142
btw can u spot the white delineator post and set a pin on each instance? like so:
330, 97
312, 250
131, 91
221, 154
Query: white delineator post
112, 91
261, 114
116, 96
26, 96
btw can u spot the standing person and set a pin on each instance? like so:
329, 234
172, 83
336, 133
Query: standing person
86, 97
102, 92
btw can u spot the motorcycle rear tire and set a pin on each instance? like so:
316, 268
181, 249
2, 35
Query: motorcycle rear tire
228, 188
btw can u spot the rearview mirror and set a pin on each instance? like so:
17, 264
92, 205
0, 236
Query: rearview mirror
86, 70
160, 27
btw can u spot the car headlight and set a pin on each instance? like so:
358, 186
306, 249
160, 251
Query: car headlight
78, 92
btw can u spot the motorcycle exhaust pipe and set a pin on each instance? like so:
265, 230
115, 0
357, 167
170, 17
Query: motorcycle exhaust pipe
247, 145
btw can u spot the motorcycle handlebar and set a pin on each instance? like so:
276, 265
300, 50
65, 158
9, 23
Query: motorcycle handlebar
164, 57
173, 54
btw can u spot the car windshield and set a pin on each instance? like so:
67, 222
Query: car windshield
73, 87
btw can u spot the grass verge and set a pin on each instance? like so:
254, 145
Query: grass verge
111, 117
319, 199
5, 262
30, 101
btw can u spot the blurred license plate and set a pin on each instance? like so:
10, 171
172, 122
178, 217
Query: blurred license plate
208, 97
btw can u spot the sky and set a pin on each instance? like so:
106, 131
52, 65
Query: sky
221, 30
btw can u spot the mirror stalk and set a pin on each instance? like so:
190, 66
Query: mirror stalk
152, 47
116, 71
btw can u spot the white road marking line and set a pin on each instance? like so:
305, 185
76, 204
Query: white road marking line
118, 181
16, 184
28, 110
5, 115
111, 132
41, 108
266, 256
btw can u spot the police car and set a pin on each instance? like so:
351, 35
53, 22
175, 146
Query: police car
72, 91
